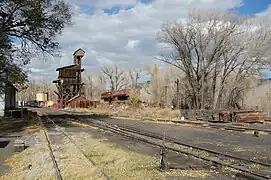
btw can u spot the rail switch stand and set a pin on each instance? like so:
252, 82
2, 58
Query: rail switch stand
164, 153
164, 160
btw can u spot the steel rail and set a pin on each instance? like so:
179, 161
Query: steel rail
211, 125
179, 142
238, 128
84, 154
57, 170
122, 131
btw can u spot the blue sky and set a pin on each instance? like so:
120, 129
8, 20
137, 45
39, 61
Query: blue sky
252, 7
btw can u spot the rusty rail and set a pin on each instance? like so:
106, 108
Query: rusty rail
57, 170
127, 132
71, 140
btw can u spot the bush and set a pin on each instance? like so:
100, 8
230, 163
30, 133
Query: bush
134, 99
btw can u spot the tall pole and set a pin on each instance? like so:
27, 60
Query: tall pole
137, 77
177, 93
61, 97
61, 93
202, 93
165, 96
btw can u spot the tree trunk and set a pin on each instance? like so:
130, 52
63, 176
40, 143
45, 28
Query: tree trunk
214, 86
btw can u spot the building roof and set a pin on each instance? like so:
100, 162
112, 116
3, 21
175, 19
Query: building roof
65, 67
75, 97
79, 51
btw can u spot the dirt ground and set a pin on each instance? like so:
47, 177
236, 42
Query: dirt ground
132, 150
119, 157
246, 145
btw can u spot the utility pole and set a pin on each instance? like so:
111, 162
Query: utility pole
165, 96
177, 93
202, 93
61, 93
137, 77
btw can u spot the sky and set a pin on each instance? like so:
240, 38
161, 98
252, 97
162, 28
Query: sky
123, 32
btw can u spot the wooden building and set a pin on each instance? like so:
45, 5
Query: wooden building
69, 82
8, 98
80, 101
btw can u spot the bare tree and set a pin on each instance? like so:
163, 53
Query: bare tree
134, 76
154, 87
212, 47
88, 88
259, 96
34, 87
95, 84
116, 76
159, 90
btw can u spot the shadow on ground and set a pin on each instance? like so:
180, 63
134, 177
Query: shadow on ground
77, 115
17, 124
31, 120
67, 120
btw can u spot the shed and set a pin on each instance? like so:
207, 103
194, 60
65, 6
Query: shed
8, 98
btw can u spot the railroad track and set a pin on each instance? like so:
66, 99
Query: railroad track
210, 125
225, 159
56, 168
238, 128
45, 121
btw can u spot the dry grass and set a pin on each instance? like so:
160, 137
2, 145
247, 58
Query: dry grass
72, 164
36, 157
189, 150
123, 164
135, 113
255, 166
240, 149
29, 126
31, 129
118, 163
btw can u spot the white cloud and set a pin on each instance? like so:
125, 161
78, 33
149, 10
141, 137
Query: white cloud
267, 12
104, 3
127, 38
265, 16
33, 70
132, 44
